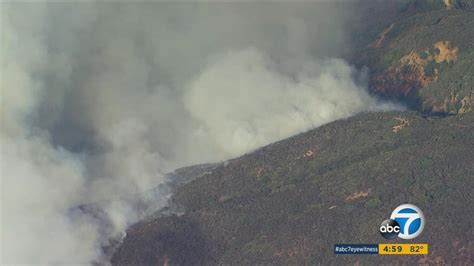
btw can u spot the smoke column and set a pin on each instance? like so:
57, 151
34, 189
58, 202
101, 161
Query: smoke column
99, 100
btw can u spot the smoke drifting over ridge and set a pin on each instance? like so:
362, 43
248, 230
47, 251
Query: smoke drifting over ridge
100, 100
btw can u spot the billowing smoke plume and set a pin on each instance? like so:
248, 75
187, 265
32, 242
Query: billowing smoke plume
99, 100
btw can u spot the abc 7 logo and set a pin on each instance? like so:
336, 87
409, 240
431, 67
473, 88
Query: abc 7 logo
389, 229
407, 222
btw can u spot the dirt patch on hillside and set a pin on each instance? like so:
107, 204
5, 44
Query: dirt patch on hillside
356, 195
378, 42
454, 104
402, 123
466, 104
417, 64
448, 4
446, 52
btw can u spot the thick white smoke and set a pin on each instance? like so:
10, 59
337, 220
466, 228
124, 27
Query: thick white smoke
99, 100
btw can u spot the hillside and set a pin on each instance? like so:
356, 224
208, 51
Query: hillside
420, 52
290, 202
